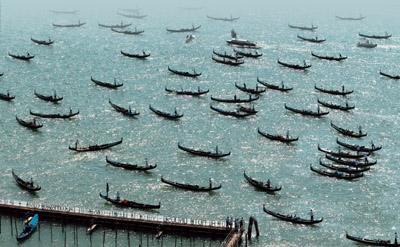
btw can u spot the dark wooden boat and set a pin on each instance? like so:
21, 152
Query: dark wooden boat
248, 54
1, 74
70, 25
307, 112
312, 40
261, 185
106, 84
6, 96
122, 110
294, 66
51, 98
375, 242
292, 219
233, 57
227, 61
182, 30
215, 154
136, 32
131, 204
58, 115
332, 91
373, 148
184, 73
336, 174
166, 114
350, 18
275, 87
132, 16
277, 137
250, 110
312, 28
223, 19
353, 163
346, 107
386, 36
342, 154
190, 186
29, 227
141, 56
42, 42
25, 184
115, 26
236, 100
396, 77
183, 92
243, 43
340, 58
231, 113
244, 88
94, 147
131, 166
346, 169
348, 132
26, 58
32, 124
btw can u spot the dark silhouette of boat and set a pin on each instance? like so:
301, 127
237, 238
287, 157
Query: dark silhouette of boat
115, 26
51, 98
375, 242
215, 154
182, 30
106, 84
131, 166
25, 184
6, 96
175, 115
131, 204
132, 16
336, 174
332, 91
351, 18
57, 115
228, 61
313, 40
123, 110
141, 56
292, 218
29, 227
340, 58
396, 77
280, 138
261, 185
295, 66
184, 73
223, 19
184, 92
136, 32
312, 28
42, 42
386, 36
191, 186
94, 147
31, 124
307, 112
22, 57
70, 25
238, 114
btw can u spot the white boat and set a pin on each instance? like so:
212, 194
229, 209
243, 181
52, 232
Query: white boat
241, 42
189, 38
367, 44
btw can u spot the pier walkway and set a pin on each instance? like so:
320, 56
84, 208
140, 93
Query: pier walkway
233, 238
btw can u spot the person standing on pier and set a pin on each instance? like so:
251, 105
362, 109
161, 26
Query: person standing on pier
227, 222
241, 223
395, 237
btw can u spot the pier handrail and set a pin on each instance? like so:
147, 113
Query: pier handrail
230, 235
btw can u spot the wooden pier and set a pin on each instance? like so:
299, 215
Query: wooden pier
234, 238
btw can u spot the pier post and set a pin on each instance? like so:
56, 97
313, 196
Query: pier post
175, 241
116, 236
51, 232
104, 236
0, 224
65, 238
39, 230
12, 231
129, 240
147, 240
76, 229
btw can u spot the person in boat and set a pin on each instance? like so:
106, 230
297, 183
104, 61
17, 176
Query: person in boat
250, 96
238, 108
287, 134
372, 144
227, 222
244, 85
34, 121
304, 62
358, 149
395, 237
198, 89
342, 88
8, 93
268, 183
31, 182
356, 164
146, 162
130, 109
210, 183
256, 87
359, 130
216, 149
318, 108
340, 55
27, 54
252, 107
144, 54
176, 113
55, 95
76, 144
118, 196
347, 103
311, 215
234, 97
283, 85
70, 110
115, 81
366, 159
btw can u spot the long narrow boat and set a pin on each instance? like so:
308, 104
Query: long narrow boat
223, 19
275, 87
166, 114
182, 30
295, 66
140, 56
375, 242
396, 77
342, 154
70, 25
51, 98
312, 28
307, 112
353, 163
227, 61
29, 227
134, 167
236, 100
244, 88
332, 91
57, 115
184, 73
115, 26
6, 96
184, 92
312, 40
280, 138
132, 16
32, 124
340, 58
261, 185
237, 114
131, 204
242, 42
225, 55
346, 169
386, 36
351, 18
366, 44
190, 186
353, 147
215, 154
25, 58
249, 109
42, 42
123, 110
106, 84
292, 218
94, 147
348, 132
336, 174
25, 184
248, 54
136, 32
331, 105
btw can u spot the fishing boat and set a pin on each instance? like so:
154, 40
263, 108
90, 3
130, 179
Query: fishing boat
396, 77
312, 28
353, 163
215, 154
237, 114
42, 42
6, 96
242, 42
94, 147
31, 124
386, 36
344, 168
29, 226
28, 185
256, 90
182, 30
70, 25
191, 186
106, 84
236, 100
51, 98
168, 115
280, 138
115, 26
184, 73
260, 185
292, 218
330, 58
313, 40
275, 87
227, 61
248, 54
307, 112
123, 110
136, 32
331, 105
131, 204
132, 16
185, 92
359, 148
25, 58
57, 115
141, 56
336, 174
348, 132
223, 19
134, 167
332, 91
367, 44
295, 66
375, 242
351, 18
342, 154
